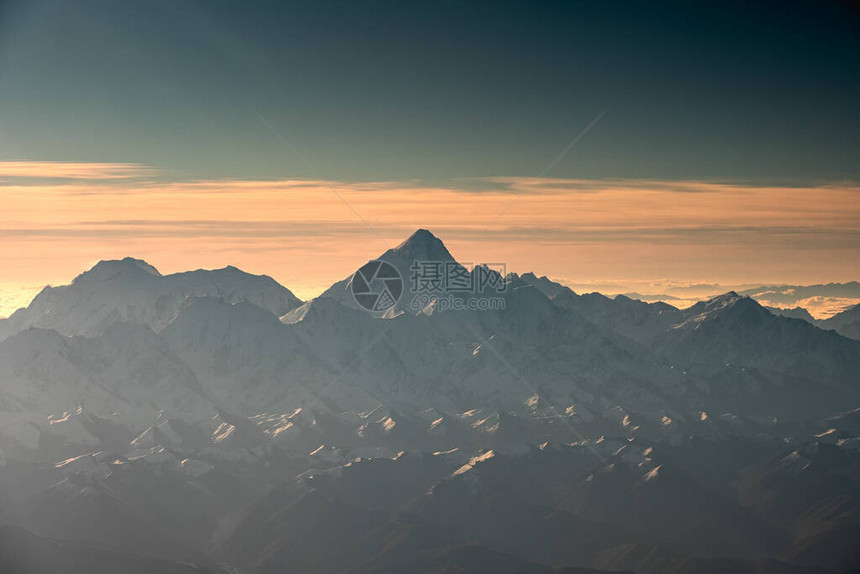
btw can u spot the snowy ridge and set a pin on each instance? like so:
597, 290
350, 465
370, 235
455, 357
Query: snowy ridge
131, 290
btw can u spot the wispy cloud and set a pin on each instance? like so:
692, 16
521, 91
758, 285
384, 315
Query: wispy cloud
72, 170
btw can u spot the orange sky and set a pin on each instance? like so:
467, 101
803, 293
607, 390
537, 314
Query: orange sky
58, 219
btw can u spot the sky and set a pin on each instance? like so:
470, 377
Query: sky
634, 142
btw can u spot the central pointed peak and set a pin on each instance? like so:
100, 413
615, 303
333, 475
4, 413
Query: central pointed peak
421, 235
409, 259
423, 245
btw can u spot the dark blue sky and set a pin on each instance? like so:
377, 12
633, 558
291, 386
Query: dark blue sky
399, 90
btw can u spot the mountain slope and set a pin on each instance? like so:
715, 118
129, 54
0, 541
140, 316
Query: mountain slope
131, 290
421, 246
22, 552
208, 416
846, 323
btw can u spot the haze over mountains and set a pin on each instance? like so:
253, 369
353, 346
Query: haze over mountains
819, 302
211, 421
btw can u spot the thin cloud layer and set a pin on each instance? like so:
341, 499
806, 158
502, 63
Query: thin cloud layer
72, 170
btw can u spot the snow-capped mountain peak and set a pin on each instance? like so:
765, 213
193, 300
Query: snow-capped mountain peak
132, 290
421, 246
107, 269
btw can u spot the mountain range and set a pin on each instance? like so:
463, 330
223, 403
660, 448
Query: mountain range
845, 323
211, 421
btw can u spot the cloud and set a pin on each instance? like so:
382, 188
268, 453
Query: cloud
819, 306
72, 170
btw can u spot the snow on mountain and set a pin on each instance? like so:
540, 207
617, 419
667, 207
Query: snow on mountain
131, 290
630, 318
737, 329
530, 330
782, 365
421, 246
543, 284
574, 355
162, 413
747, 350
339, 357
92, 391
